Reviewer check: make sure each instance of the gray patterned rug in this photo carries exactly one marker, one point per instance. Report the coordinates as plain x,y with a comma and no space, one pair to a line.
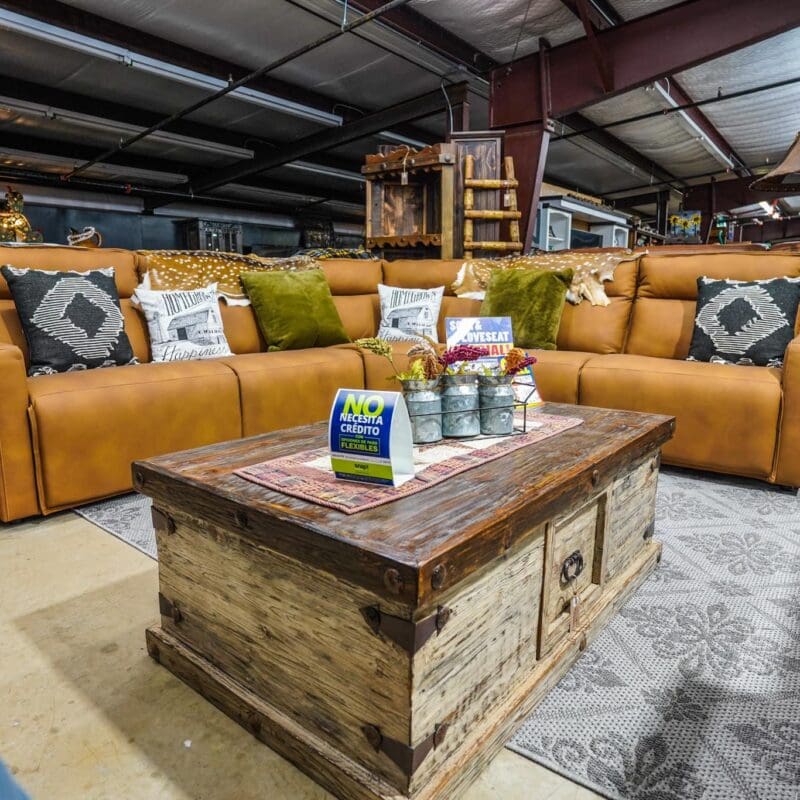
693,691
127,518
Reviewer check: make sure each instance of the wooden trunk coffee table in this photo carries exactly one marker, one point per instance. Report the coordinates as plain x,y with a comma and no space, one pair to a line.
391,653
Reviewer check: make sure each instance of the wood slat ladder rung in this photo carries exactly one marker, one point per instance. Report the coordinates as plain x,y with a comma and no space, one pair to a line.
490,213
471,213
493,245
490,183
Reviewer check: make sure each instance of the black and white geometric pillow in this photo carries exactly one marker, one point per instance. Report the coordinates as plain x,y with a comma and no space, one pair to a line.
71,320
748,323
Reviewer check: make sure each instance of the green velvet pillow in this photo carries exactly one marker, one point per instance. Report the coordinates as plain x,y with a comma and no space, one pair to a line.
533,298
294,310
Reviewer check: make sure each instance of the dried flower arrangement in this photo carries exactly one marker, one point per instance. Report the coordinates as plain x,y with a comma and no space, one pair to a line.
455,359
516,361
423,363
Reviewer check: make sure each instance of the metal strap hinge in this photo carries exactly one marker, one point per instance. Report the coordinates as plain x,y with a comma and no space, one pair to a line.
407,758
162,521
403,632
169,609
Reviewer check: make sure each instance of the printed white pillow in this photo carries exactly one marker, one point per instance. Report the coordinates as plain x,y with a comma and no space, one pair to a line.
183,325
409,313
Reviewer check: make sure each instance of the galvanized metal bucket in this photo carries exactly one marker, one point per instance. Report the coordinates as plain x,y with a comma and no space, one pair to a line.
424,404
460,404
497,405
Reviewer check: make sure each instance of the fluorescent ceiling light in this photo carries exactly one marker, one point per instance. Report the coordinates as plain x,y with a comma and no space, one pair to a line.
691,126
396,42
123,128
400,139
12,157
331,172
43,31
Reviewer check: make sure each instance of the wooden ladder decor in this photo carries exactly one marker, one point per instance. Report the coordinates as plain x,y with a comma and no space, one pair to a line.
509,184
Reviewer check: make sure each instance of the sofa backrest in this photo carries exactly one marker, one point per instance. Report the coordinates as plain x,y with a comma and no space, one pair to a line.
430,274
666,300
81,259
593,329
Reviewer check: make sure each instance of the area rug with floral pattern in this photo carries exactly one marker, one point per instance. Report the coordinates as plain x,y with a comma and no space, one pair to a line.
692,692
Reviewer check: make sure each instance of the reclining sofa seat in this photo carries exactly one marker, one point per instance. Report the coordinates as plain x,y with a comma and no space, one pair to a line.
70,438
729,418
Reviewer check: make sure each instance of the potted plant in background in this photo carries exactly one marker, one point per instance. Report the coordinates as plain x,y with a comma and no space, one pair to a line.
496,393
420,384
460,402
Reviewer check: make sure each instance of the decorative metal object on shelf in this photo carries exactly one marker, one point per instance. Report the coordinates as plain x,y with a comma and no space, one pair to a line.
14,225
203,234
316,232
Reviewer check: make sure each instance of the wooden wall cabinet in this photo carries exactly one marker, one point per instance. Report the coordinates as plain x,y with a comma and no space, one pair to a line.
410,199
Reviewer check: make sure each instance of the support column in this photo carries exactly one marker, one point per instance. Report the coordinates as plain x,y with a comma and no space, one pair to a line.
527,145
460,118
662,211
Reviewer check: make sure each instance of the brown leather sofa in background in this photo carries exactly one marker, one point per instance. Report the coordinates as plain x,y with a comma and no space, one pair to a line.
70,439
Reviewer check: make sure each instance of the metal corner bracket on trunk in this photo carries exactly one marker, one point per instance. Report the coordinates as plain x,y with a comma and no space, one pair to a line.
411,636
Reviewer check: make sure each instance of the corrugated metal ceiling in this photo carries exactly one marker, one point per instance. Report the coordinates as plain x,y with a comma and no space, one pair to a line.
760,127
355,71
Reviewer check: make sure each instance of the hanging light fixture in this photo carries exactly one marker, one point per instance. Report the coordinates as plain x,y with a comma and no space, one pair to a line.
785,178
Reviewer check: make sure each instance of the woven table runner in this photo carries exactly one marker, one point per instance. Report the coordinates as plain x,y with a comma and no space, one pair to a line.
308,474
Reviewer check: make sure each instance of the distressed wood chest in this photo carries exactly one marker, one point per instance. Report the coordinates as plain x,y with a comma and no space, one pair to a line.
391,653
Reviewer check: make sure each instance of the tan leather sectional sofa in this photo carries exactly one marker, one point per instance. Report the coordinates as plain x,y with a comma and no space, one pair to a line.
70,439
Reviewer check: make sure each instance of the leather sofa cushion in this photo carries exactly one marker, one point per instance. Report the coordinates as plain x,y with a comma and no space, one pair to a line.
422,273
292,387
352,275
136,328
80,259
675,277
241,329
378,372
727,416
89,426
456,307
557,374
360,314
665,307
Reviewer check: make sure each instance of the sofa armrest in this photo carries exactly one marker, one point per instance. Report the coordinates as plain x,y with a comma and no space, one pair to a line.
787,464
18,497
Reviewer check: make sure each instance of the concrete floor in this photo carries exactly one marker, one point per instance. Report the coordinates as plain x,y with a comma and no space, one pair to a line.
86,715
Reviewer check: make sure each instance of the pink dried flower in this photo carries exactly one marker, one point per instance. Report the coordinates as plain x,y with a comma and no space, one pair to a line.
462,352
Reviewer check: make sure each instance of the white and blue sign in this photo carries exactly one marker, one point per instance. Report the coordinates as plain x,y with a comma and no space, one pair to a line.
369,436
495,333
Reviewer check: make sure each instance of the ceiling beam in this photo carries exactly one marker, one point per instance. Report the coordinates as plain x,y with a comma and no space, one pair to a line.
60,149
597,20
703,123
418,27
598,15
614,145
725,195
640,51
407,111
55,101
